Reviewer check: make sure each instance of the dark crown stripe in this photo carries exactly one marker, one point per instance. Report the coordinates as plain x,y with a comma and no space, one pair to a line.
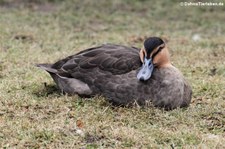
151,43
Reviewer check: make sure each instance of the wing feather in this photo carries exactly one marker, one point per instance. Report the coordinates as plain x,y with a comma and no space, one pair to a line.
114,59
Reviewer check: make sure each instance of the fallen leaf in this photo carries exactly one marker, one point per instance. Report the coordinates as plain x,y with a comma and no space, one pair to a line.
79,124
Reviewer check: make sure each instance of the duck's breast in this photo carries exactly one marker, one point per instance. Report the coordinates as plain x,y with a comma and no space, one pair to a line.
169,89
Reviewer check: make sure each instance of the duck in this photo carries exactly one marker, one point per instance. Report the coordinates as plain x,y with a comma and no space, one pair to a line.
124,75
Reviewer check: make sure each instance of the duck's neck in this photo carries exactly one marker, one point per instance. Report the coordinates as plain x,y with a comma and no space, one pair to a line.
166,65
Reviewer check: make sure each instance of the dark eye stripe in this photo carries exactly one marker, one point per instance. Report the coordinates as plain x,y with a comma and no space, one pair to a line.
160,49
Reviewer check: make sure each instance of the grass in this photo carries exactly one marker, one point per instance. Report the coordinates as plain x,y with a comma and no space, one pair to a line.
33,114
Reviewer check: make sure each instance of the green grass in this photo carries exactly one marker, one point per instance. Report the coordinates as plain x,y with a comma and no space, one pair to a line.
33,114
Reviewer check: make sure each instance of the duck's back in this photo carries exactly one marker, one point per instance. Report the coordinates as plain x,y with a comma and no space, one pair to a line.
96,65
112,59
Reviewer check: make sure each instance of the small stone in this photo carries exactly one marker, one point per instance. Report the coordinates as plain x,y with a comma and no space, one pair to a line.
196,37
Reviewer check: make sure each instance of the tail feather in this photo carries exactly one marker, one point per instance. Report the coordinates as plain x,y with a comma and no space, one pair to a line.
47,67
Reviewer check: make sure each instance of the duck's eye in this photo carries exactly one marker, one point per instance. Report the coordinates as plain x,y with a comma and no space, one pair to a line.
159,50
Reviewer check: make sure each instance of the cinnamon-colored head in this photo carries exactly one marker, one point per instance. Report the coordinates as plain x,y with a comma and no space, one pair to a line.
153,54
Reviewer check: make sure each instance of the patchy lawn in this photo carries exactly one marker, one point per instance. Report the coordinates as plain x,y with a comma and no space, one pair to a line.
34,114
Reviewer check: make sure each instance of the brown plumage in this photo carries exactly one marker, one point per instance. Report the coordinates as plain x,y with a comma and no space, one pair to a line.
111,71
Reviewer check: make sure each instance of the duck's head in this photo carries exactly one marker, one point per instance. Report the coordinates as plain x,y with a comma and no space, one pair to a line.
153,54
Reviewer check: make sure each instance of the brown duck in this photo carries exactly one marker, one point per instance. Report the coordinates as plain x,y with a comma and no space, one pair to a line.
124,75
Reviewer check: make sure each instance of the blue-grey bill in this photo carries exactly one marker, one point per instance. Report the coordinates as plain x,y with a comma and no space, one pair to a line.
146,70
